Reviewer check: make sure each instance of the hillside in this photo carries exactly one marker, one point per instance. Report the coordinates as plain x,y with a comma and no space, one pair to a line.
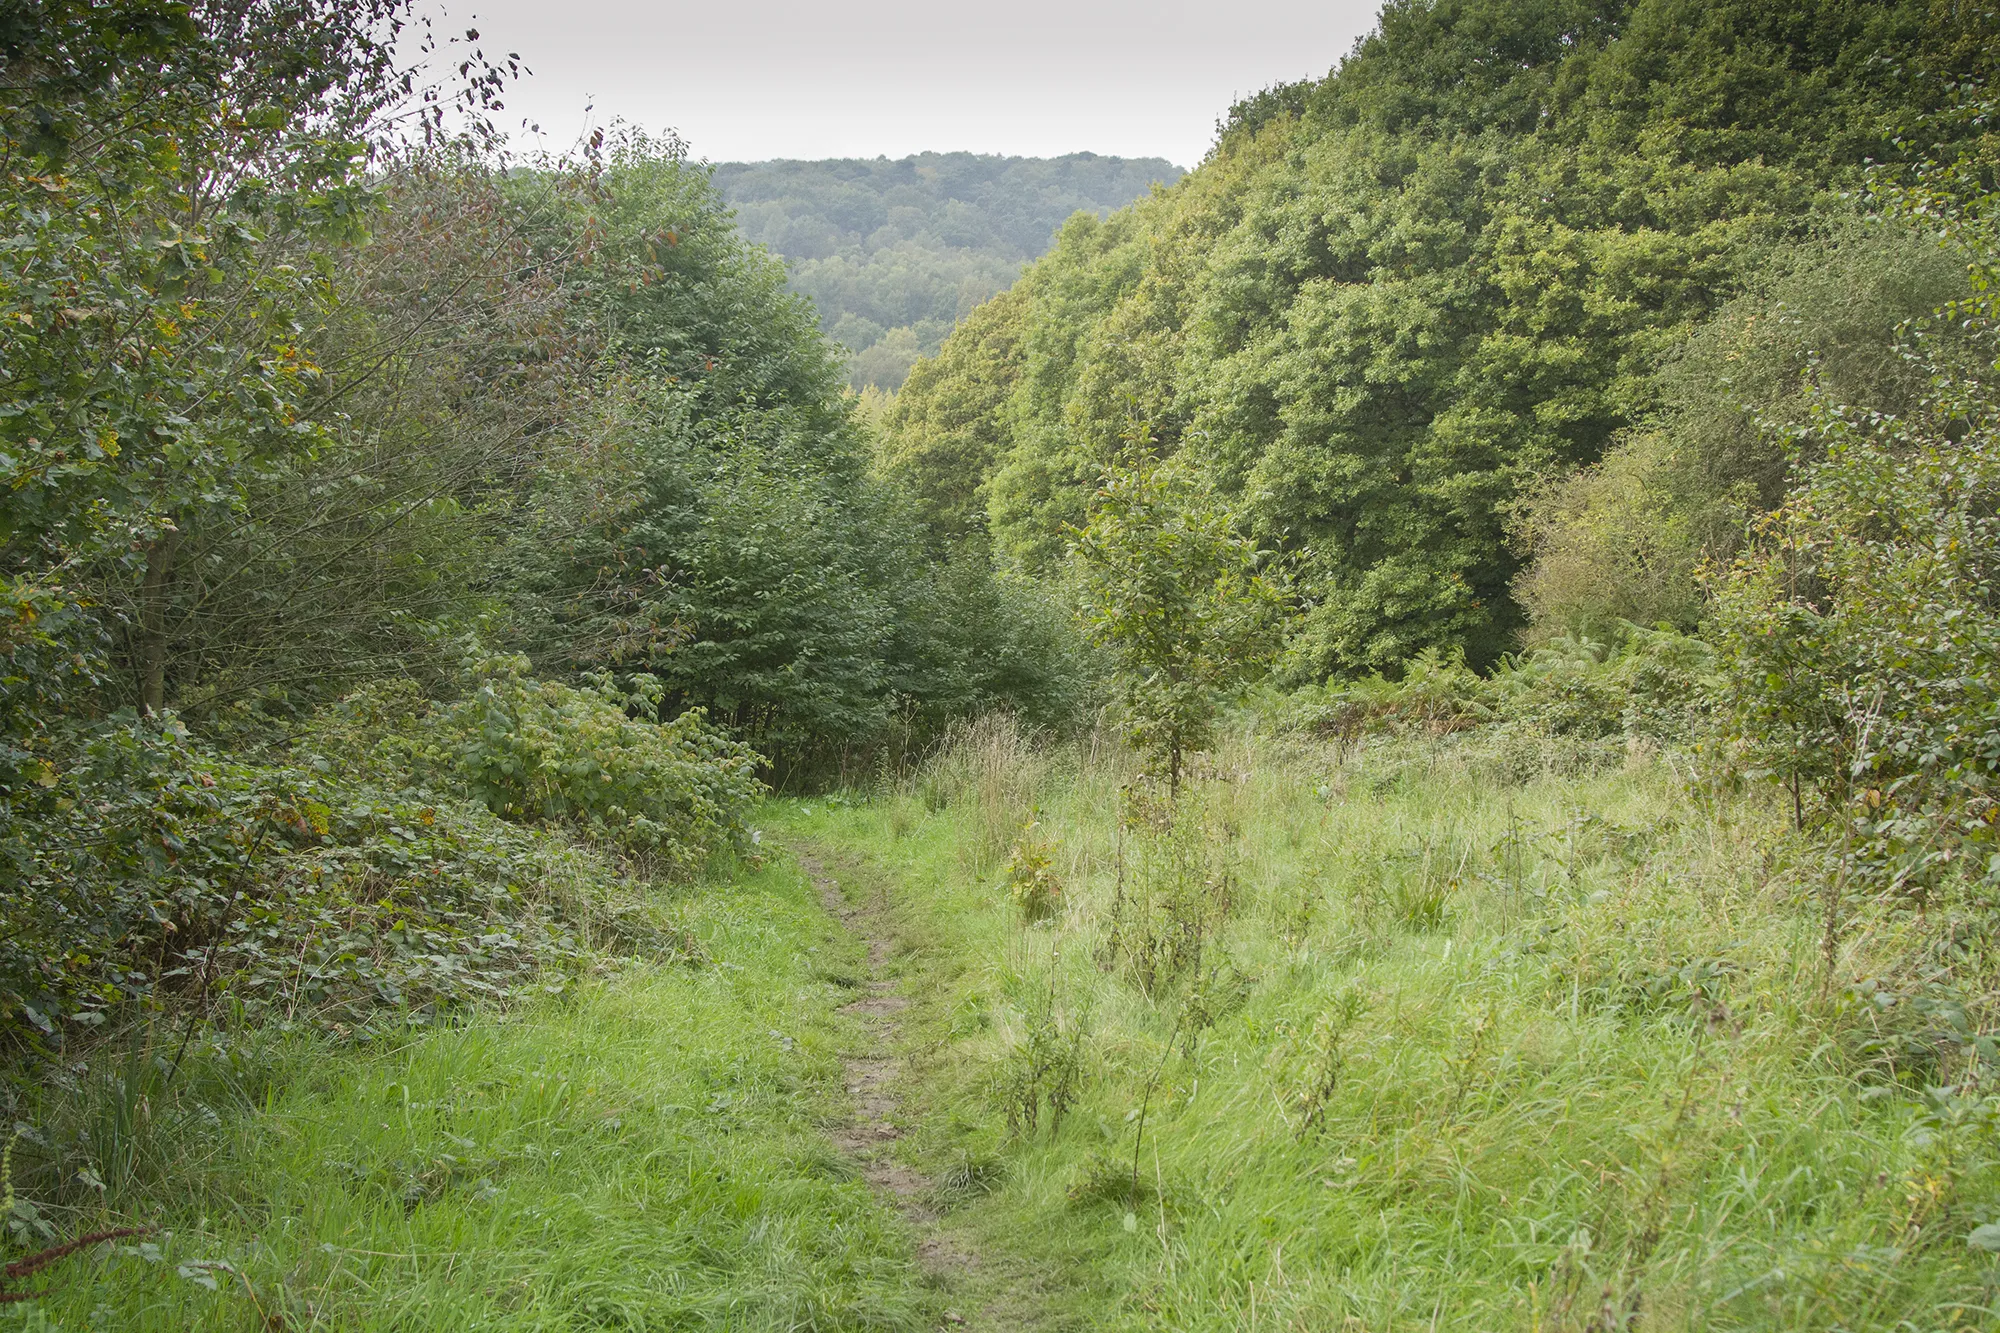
1393,303
894,254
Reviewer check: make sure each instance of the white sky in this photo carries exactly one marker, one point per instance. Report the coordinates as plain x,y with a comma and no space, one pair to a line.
760,79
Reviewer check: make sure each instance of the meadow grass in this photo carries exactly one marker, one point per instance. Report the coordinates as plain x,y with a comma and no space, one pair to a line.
1360,1038
1379,1039
647,1152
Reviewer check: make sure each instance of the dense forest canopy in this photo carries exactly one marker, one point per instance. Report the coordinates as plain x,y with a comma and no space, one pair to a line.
895,253
1392,303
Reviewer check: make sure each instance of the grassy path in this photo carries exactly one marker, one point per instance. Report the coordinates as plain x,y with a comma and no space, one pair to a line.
986,1293
1463,1055
1381,1114
649,1151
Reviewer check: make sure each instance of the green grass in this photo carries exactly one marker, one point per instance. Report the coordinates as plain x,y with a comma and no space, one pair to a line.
644,1153
1414,1045
1461,1053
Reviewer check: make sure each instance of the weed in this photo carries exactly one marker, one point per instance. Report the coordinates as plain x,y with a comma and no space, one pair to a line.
1212,994
1426,1121
1296,924
1102,1179
967,1178
1138,1115
1420,902
1032,882
989,771
1424,880
1470,1060
1319,1061
1181,890
1044,1072
24,1220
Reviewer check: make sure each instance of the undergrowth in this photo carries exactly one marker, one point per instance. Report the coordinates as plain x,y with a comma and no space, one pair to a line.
395,859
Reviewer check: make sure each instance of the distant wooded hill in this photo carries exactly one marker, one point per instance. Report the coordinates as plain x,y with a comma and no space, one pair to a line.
896,253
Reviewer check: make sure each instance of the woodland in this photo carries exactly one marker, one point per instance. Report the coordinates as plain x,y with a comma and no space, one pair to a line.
894,254
1403,732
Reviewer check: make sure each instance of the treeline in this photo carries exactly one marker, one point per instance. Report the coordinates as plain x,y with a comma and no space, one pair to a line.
1600,378
1476,332
404,548
894,254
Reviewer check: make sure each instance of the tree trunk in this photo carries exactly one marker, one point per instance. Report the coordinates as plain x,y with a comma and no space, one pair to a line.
153,595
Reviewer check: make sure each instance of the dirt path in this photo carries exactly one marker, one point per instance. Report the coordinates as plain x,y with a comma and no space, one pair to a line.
869,1138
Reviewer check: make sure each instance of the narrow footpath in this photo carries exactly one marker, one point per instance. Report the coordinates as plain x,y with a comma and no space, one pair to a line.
984,1296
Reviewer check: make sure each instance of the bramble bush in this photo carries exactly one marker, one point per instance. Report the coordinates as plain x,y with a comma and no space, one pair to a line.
1859,635
378,872
1862,646
600,761
157,871
1573,704
596,762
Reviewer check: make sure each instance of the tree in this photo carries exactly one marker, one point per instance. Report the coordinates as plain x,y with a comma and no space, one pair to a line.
1392,303
1859,634
1625,538
449,376
1176,593
738,548
942,437
893,254
179,178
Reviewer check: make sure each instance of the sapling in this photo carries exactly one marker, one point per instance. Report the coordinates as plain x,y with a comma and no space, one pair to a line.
1184,601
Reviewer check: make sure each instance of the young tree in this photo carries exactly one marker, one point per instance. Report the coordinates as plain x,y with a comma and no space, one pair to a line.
1175,592
178,179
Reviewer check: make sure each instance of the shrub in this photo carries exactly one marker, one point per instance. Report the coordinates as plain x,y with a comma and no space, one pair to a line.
1625,539
1861,641
1031,878
1860,634
1572,703
1173,591
990,767
376,870
671,792
157,870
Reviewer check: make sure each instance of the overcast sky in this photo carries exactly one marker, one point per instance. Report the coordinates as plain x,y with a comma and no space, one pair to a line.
746,80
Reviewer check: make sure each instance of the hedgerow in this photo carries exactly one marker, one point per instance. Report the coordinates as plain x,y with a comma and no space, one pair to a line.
600,761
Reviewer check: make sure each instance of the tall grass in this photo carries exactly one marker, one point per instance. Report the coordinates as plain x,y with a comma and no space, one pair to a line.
989,772
1458,1052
